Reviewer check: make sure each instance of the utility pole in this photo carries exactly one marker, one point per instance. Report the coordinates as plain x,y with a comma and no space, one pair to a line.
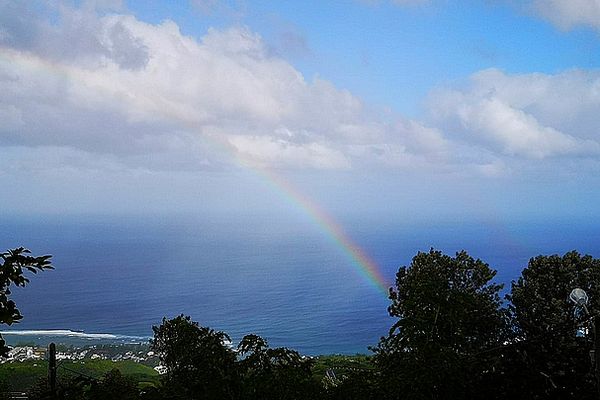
580,298
52,369
596,353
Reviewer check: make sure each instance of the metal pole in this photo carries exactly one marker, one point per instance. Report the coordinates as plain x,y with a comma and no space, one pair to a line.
596,355
52,369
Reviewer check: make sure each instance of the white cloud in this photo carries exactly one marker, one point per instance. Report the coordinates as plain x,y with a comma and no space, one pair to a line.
116,85
271,151
531,115
565,14
146,96
569,13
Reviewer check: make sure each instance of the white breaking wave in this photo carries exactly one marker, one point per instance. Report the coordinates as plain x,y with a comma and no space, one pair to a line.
75,334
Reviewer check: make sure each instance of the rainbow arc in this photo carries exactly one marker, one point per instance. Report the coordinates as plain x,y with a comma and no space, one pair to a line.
359,259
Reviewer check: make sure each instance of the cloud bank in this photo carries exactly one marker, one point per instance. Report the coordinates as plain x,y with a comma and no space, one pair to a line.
530,115
118,86
110,91
567,14
564,14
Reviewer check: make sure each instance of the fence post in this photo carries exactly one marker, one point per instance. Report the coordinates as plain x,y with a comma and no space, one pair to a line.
52,369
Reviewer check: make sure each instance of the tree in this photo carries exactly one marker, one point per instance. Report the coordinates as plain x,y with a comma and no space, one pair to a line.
12,272
556,362
113,385
69,388
198,362
278,373
449,315
357,385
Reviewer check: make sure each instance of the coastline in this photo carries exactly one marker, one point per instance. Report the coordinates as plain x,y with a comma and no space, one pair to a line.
68,337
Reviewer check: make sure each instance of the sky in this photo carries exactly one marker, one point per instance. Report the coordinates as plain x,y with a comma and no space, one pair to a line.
407,109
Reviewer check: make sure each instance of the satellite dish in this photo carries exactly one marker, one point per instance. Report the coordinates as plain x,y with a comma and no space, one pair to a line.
579,297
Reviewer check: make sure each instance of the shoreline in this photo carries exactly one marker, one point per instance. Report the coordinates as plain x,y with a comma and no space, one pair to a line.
68,337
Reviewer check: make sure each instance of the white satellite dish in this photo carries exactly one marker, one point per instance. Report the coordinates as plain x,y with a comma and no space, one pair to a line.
579,297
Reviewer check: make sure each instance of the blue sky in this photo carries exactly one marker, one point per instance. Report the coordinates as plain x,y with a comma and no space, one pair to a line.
389,54
416,108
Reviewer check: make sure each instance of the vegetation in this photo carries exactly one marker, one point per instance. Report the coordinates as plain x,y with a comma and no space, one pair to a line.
197,361
12,272
448,314
23,375
454,337
555,359
112,385
278,373
341,365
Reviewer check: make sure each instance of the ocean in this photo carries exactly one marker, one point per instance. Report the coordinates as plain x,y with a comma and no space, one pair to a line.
287,281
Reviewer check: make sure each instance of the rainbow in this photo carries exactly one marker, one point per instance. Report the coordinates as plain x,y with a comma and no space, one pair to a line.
361,261
359,258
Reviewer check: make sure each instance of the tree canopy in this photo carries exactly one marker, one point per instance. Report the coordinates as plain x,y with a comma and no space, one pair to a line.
199,363
15,263
448,313
274,373
555,358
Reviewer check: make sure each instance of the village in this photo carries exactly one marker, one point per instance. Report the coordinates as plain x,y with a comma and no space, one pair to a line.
138,353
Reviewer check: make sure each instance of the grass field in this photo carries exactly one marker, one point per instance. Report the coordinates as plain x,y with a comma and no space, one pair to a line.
341,364
22,375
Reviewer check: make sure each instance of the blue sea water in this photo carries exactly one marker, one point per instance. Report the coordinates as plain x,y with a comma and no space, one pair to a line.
288,282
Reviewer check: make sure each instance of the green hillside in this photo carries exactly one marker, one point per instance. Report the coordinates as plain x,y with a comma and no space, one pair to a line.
22,375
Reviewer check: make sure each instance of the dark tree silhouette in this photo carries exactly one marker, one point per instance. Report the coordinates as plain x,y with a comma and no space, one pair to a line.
113,385
198,361
357,385
12,272
274,373
448,313
555,360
